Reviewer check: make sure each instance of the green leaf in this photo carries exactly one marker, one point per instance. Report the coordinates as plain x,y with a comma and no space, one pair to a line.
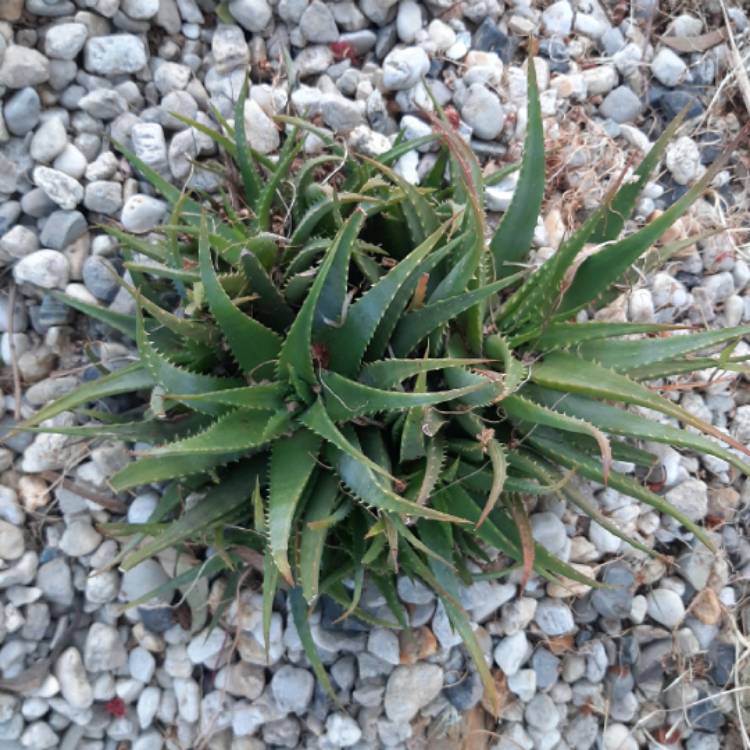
302,625
533,414
421,219
147,431
515,371
296,351
346,399
564,372
622,205
540,293
386,373
307,224
363,483
269,307
349,343
412,444
564,335
382,338
220,502
293,461
397,151
265,396
292,146
624,356
316,419
499,475
416,325
438,538
175,379
130,378
550,476
387,588
239,430
619,422
224,142
599,271
566,455
512,240
251,179
312,545
200,332
151,249
164,272
150,470
119,321
434,460
252,344
680,366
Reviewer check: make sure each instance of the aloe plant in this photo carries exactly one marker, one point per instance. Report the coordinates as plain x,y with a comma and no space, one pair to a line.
362,380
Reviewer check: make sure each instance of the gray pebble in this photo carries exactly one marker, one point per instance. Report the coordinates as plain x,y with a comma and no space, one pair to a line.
621,105
115,54
22,66
21,112
553,617
62,228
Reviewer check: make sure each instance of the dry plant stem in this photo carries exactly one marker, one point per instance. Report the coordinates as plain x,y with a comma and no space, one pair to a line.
106,502
743,81
13,359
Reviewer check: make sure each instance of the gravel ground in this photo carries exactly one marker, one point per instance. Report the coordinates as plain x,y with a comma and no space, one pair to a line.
651,662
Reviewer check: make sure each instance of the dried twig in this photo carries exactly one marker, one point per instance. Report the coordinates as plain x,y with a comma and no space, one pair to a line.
110,503
13,358
743,81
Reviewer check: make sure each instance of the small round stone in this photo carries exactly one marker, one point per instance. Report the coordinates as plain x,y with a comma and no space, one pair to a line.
541,713
79,538
49,140
59,187
71,675
342,730
48,269
618,737
21,113
410,688
11,541
404,67
666,607
22,66
292,688
141,10
253,15
65,41
482,110
142,213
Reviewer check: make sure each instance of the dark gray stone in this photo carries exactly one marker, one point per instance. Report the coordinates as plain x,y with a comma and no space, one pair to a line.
17,442
704,715
466,693
52,312
62,228
100,278
547,668
619,682
157,619
331,612
672,102
489,38
614,603
722,657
